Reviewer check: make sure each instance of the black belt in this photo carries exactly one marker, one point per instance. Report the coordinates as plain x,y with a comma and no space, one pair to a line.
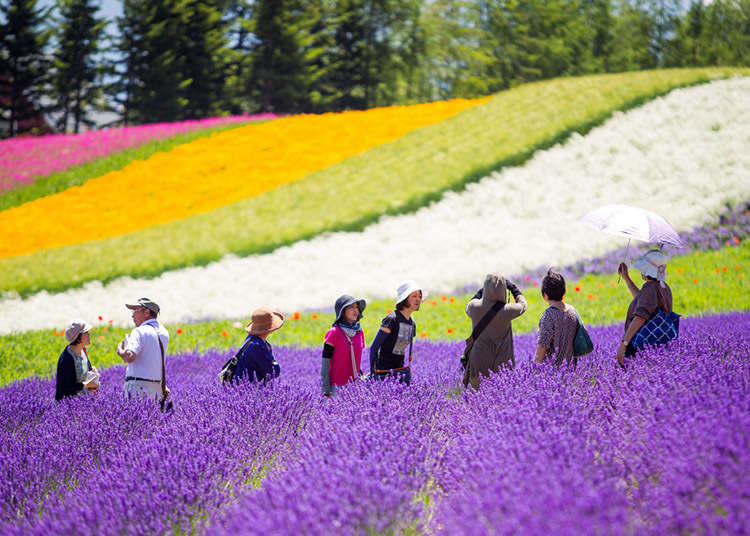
136,379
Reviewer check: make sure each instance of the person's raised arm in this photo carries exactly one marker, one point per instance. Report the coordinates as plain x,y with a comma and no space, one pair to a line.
623,271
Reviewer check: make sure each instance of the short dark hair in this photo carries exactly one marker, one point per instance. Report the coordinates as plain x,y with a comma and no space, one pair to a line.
78,339
401,305
553,285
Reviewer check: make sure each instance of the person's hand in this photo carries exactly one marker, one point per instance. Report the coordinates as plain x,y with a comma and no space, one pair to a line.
623,270
621,355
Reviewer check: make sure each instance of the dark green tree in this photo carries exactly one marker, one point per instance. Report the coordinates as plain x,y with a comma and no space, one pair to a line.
279,79
240,24
77,73
203,57
22,61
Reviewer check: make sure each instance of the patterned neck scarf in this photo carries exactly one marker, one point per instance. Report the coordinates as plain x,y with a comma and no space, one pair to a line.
350,329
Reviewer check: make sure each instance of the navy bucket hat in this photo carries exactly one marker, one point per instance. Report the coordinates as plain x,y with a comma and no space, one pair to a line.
345,301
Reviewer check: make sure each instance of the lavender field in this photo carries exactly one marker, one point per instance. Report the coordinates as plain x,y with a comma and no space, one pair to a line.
661,448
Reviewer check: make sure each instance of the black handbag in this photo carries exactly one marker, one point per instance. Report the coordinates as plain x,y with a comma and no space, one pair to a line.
227,371
486,319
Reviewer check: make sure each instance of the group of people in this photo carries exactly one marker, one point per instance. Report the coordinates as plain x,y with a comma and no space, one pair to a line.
490,310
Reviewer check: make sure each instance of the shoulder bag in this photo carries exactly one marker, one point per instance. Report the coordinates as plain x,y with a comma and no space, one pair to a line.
582,344
164,404
227,371
661,328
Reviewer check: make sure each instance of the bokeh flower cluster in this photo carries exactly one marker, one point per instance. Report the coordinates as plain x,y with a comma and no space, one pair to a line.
659,449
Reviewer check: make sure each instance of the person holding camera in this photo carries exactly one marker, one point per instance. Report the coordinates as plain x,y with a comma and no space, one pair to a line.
493,348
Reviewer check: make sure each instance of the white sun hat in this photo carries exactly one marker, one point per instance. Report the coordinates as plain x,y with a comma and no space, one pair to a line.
406,288
653,263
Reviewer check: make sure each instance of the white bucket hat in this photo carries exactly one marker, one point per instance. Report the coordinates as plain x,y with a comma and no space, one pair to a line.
406,288
653,263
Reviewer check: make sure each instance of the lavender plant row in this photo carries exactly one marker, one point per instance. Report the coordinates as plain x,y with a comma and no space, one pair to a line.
661,448
658,449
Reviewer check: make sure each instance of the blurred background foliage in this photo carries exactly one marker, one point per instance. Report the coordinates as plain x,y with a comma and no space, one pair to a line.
168,60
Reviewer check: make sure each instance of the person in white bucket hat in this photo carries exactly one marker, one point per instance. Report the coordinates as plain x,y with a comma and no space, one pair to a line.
391,351
654,294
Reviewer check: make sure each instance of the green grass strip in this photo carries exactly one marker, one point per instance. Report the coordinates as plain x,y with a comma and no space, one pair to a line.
79,174
699,281
398,177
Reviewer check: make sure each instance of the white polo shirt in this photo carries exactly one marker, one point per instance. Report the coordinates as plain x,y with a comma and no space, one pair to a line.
143,343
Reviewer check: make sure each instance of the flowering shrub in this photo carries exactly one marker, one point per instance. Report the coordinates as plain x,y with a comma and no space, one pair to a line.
208,173
658,449
24,159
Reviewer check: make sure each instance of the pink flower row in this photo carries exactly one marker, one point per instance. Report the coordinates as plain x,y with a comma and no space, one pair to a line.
23,160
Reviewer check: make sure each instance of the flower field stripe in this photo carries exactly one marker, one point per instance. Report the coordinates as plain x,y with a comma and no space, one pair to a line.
522,218
80,173
393,178
23,160
208,173
703,282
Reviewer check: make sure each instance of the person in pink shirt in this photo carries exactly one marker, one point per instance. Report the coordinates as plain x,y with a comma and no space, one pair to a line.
342,349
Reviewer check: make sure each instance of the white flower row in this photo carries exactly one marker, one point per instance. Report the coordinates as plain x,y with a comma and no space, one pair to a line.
684,156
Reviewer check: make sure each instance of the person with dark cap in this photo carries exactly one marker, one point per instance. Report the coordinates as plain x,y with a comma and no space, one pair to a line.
344,342
255,360
74,370
145,350
391,351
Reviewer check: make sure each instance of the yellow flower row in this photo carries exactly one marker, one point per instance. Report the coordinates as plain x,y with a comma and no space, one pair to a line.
208,173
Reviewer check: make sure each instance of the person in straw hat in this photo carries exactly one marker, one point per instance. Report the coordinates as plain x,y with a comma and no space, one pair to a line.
391,351
74,370
256,361
344,342
654,294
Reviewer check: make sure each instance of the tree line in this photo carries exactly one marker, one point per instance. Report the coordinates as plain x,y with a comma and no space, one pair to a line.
167,60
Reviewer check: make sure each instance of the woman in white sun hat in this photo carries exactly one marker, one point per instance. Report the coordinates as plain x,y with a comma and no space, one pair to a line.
653,295
391,351
74,370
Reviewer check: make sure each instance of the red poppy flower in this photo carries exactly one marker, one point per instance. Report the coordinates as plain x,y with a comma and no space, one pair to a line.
224,333
423,334
314,317
295,316
179,332
100,318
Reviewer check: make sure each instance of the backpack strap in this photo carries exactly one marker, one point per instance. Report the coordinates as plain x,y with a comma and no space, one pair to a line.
163,372
351,354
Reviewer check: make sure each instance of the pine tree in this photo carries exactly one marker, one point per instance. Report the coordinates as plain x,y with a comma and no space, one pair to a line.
22,60
279,80
76,74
